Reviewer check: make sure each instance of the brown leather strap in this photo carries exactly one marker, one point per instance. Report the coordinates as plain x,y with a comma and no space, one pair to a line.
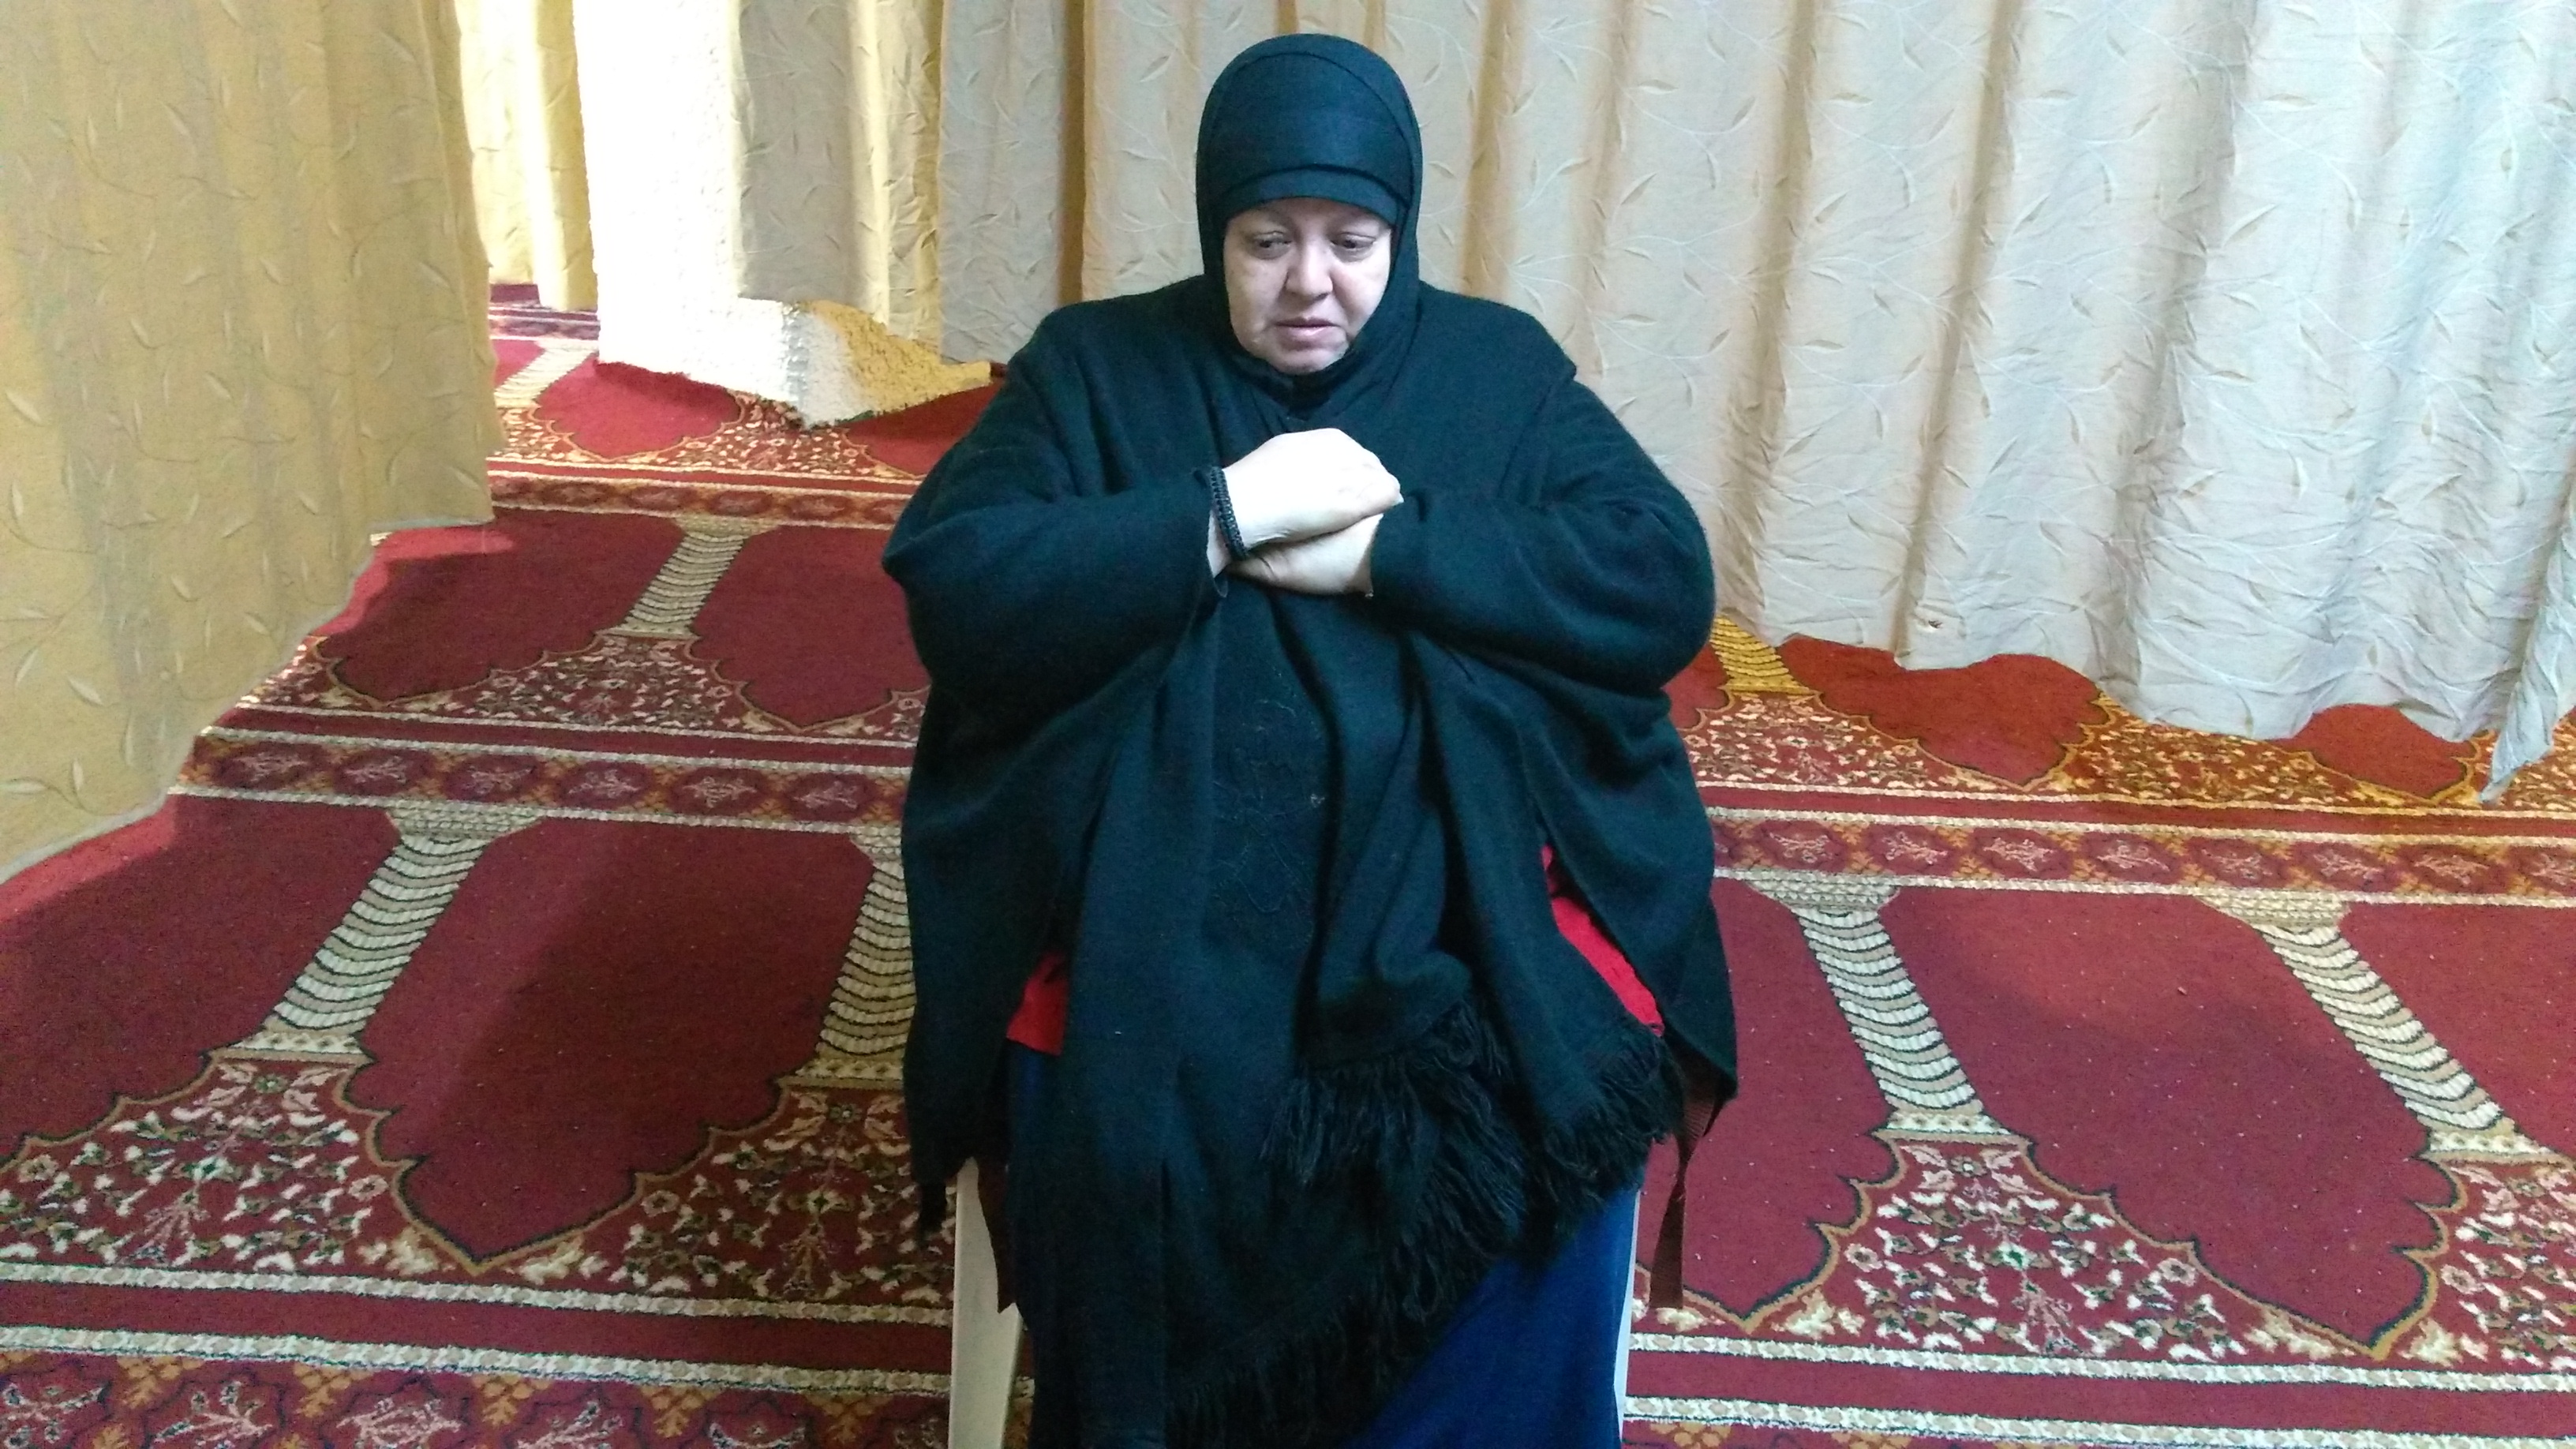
1664,1274
992,1193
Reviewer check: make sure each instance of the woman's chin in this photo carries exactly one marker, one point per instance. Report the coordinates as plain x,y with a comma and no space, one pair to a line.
1297,357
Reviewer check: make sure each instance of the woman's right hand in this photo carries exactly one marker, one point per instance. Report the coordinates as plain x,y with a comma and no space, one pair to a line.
1304,485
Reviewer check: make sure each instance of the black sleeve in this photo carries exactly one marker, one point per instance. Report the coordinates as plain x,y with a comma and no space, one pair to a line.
1605,578
1028,587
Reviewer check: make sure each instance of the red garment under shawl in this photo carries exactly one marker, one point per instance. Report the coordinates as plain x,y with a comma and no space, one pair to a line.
1039,1023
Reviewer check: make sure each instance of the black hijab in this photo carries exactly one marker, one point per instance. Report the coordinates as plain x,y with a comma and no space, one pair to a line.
1315,115
1327,1058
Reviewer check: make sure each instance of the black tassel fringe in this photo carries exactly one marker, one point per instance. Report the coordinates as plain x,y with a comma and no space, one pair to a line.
1427,1137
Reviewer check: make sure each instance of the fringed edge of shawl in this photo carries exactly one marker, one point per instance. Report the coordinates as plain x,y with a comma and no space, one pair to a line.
1430,1124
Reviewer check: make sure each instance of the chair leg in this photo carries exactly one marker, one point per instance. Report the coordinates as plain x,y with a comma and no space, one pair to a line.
1628,1316
983,1341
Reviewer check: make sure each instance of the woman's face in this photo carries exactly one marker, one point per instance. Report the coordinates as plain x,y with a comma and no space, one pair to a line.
1302,275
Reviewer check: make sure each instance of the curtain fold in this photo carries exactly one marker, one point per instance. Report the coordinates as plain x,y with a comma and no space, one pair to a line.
241,328
839,156
523,116
737,156
2224,353
1010,216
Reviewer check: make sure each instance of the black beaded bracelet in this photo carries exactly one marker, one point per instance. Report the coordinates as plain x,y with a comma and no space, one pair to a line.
1226,527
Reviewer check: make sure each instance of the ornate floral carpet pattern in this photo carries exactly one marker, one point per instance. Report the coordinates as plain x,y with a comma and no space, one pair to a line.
2113,1084
493,1041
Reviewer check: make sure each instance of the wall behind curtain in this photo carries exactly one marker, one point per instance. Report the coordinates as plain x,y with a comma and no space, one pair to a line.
241,328
523,116
2226,353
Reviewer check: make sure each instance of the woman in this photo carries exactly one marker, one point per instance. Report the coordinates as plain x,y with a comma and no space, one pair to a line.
1295,756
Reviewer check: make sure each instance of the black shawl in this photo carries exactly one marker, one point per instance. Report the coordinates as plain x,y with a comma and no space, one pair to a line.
1328,1057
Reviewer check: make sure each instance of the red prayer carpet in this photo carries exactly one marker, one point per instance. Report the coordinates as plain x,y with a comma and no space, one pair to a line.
492,1044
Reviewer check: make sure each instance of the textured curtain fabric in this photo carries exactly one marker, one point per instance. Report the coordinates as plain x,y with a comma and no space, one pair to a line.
241,328
2225,353
744,214
839,107
523,116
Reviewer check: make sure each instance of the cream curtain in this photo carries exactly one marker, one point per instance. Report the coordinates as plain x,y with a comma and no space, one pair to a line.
241,327
760,174
839,140
523,115
817,119
2226,353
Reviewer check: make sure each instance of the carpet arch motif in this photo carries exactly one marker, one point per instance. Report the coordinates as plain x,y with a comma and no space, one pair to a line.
228,1251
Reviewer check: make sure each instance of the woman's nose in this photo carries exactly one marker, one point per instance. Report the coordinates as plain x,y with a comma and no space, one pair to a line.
1309,273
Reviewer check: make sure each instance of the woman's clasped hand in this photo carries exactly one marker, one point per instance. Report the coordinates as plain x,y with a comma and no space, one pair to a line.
1308,504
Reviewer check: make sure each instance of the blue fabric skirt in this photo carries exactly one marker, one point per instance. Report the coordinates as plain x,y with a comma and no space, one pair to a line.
1535,1358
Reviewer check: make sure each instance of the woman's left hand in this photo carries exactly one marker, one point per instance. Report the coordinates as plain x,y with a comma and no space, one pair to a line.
1332,563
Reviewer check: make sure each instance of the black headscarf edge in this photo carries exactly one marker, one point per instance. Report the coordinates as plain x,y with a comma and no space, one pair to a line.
1219,203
